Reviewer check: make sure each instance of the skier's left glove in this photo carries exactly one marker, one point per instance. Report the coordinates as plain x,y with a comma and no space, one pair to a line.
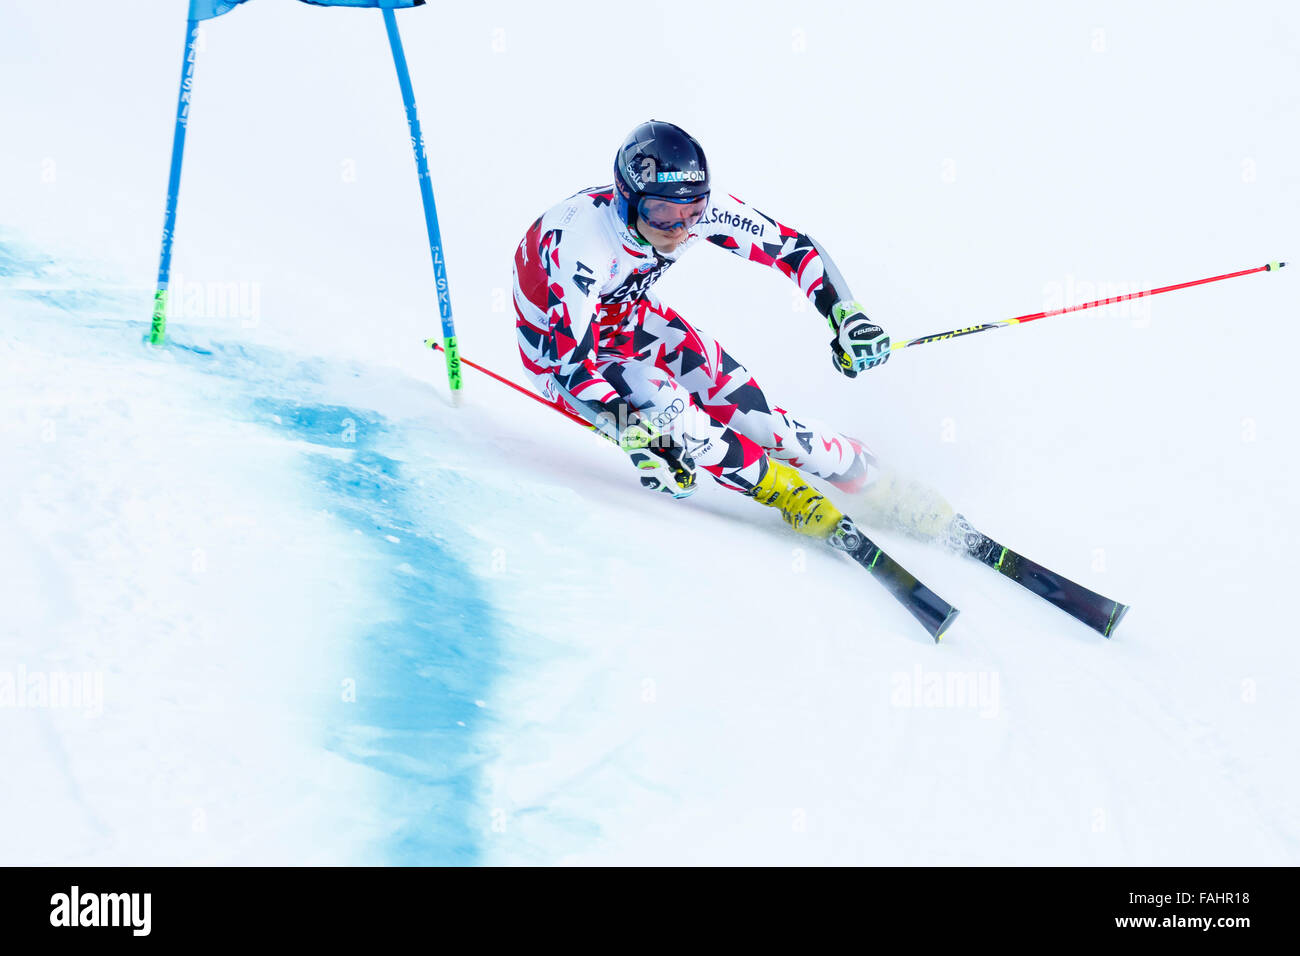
663,463
859,343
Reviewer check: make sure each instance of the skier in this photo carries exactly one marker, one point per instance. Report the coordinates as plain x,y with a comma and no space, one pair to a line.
596,341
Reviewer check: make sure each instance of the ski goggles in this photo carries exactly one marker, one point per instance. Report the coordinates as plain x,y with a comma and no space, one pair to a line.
668,214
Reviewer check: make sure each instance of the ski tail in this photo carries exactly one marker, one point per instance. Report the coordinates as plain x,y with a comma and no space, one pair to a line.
1116,615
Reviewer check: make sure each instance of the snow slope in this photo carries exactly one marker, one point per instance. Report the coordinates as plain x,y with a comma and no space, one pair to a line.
332,619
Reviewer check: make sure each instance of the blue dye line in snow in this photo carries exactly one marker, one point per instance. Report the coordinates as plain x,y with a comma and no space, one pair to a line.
432,651
425,662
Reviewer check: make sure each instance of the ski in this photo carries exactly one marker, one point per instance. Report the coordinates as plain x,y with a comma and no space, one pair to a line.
931,611
1095,610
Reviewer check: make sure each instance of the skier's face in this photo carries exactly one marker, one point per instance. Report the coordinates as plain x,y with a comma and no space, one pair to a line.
665,223
662,240
666,240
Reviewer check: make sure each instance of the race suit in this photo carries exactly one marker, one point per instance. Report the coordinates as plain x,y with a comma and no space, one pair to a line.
593,335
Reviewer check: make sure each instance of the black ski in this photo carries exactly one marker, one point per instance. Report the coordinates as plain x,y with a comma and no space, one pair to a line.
1095,610
933,612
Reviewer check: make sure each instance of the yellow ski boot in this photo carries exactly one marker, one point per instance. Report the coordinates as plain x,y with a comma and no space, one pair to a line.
803,507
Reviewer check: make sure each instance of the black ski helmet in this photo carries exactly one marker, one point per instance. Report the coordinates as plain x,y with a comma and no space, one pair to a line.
658,160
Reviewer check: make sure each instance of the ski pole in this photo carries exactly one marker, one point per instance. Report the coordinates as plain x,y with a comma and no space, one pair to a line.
1022,319
437,347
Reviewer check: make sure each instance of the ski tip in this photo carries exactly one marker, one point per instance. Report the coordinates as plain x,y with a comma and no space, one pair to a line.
1116,615
942,629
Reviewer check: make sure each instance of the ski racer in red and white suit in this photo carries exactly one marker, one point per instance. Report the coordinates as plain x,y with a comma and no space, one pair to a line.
591,332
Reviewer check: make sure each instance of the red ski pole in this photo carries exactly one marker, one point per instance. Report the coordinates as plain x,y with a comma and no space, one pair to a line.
1022,319
437,347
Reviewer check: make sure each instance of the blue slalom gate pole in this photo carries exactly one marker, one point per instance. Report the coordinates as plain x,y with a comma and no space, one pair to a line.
158,328
430,210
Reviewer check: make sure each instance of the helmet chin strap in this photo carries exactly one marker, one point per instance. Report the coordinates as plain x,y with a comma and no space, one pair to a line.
630,224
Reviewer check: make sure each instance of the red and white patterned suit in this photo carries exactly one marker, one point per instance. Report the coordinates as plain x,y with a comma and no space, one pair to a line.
592,333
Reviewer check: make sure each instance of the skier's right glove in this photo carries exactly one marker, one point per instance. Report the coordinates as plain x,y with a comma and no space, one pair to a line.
859,343
663,463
